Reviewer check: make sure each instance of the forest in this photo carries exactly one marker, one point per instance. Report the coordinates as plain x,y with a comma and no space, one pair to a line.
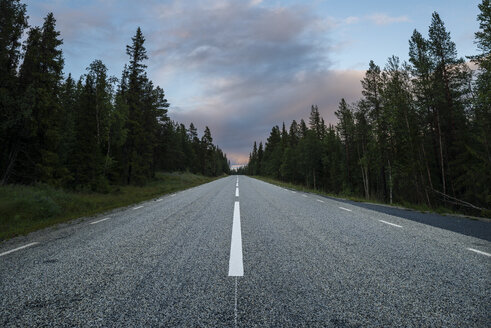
91,132
420,133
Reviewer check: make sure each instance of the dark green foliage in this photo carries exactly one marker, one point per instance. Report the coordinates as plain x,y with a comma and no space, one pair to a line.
420,133
13,22
40,80
93,133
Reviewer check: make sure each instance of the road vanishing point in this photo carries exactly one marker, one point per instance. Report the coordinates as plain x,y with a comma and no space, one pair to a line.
266,256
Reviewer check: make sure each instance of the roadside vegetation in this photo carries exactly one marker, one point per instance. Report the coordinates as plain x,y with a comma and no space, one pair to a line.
28,208
76,146
417,207
420,133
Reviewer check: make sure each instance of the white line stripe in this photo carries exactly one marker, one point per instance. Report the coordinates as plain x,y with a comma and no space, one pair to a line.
237,184
135,208
320,200
305,196
346,209
235,302
99,221
235,265
392,224
172,195
236,192
18,248
293,191
159,200
479,252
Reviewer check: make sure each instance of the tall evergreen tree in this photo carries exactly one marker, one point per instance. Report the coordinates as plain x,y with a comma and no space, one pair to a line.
13,22
40,80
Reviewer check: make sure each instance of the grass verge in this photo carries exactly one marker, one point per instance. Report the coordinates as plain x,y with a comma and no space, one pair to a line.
405,205
28,208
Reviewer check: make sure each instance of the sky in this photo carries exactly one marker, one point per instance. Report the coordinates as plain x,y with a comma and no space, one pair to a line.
241,67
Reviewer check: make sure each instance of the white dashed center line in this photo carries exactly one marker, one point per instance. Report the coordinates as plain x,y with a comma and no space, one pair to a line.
18,248
320,201
392,224
235,266
346,209
135,208
99,221
479,252
237,192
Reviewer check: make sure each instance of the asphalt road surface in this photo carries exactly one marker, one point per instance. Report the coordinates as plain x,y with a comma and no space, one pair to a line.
246,253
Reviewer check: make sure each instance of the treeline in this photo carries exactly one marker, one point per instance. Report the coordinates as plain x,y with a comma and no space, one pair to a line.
420,133
91,132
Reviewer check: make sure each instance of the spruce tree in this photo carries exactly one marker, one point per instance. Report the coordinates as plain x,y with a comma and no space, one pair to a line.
13,22
40,80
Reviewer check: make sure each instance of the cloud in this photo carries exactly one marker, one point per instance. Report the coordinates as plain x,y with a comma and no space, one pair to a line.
250,68
240,112
383,19
239,67
351,20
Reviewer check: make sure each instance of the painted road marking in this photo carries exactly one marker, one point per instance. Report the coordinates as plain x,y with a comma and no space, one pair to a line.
305,196
135,208
293,191
159,200
392,224
236,192
235,302
172,195
235,265
99,221
346,209
320,200
18,248
479,252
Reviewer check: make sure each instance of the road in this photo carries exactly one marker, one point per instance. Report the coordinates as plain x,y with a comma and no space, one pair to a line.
241,252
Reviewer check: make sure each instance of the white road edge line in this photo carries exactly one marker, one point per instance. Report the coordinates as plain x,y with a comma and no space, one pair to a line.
172,195
135,208
479,252
346,209
237,192
19,248
235,265
159,200
392,224
99,220
320,200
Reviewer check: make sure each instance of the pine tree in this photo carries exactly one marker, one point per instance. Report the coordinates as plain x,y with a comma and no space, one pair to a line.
345,128
13,22
373,84
207,149
260,155
449,81
40,80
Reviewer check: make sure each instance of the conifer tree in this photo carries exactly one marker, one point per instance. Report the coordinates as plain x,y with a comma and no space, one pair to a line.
40,80
13,22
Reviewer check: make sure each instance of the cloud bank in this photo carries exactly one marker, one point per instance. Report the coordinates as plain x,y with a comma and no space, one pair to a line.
254,67
239,67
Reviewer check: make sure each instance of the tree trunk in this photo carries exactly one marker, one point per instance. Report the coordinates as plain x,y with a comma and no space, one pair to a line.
10,166
390,183
441,151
